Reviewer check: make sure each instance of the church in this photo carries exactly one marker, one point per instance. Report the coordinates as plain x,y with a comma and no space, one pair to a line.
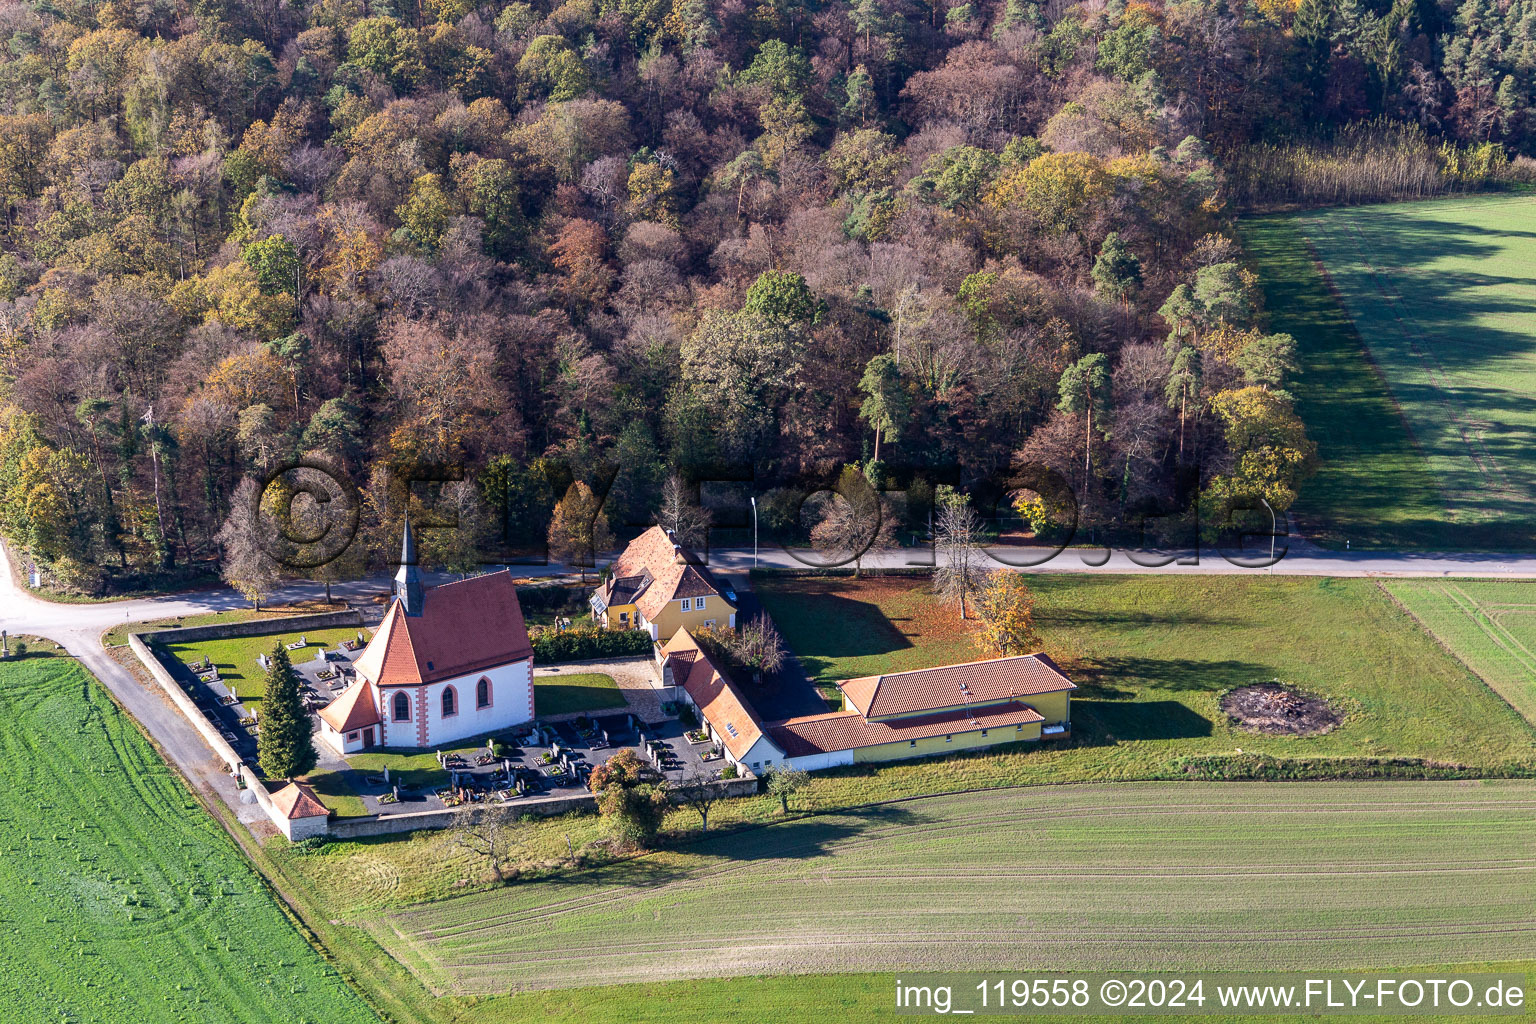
447,663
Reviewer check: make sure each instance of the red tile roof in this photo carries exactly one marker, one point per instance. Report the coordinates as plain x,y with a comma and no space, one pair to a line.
296,800
932,689
728,712
355,708
849,730
465,626
673,570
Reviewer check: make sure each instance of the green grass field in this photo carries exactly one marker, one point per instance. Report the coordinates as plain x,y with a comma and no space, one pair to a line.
579,691
1489,624
1433,446
121,900
1153,654
1156,876
236,656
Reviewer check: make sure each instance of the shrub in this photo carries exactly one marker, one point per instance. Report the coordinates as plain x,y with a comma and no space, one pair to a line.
583,642
729,771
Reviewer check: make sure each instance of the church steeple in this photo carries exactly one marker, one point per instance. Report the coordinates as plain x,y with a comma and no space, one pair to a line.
408,580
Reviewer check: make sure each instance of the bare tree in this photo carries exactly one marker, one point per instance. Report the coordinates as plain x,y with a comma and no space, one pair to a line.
491,832
759,646
248,565
853,521
697,790
688,522
961,571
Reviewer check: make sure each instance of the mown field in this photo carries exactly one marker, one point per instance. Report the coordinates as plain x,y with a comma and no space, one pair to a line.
1489,624
120,899
1164,876
236,656
1153,654
1434,446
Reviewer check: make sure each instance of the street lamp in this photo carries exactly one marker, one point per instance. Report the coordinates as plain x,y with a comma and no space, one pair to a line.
754,531
1274,528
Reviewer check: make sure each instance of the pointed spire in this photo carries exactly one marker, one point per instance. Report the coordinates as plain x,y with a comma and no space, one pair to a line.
408,586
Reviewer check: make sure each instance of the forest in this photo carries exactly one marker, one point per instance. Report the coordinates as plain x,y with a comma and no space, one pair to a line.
597,244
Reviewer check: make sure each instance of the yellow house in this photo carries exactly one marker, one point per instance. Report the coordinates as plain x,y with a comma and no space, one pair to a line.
888,717
660,586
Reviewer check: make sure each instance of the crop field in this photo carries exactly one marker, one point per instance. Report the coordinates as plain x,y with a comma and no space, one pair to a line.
120,899
236,656
1489,624
1439,449
1171,876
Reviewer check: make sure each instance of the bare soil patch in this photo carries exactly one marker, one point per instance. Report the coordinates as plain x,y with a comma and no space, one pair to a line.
1277,709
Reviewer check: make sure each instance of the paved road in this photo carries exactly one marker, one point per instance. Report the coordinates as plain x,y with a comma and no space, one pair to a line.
79,626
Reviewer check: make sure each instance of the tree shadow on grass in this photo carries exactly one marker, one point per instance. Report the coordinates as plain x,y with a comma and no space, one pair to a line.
807,837
1109,676
826,627
1051,617
1102,723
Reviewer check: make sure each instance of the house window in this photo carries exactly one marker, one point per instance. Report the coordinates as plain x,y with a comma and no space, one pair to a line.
698,604
450,703
911,743
483,694
983,732
686,604
351,737
948,739
402,708
709,623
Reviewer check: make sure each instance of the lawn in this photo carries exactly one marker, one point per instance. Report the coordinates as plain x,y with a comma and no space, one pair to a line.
579,691
118,635
1321,876
122,900
1425,431
1153,654
1490,625
236,656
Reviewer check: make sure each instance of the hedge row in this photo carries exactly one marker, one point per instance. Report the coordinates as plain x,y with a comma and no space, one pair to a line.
581,643
553,598
1261,768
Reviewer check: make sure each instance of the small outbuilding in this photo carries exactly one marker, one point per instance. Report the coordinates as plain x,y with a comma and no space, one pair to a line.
300,814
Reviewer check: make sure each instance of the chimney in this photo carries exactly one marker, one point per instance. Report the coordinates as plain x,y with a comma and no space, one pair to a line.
677,554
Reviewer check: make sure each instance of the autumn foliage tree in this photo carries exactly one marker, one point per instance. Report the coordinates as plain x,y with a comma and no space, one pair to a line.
630,796
1006,616
578,530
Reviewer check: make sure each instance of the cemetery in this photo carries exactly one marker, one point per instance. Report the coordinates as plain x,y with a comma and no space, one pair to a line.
227,697
541,759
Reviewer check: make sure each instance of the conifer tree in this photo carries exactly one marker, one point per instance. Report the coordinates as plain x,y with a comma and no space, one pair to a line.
285,747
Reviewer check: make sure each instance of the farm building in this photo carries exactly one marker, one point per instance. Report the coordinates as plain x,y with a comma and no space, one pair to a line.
446,663
661,586
888,717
